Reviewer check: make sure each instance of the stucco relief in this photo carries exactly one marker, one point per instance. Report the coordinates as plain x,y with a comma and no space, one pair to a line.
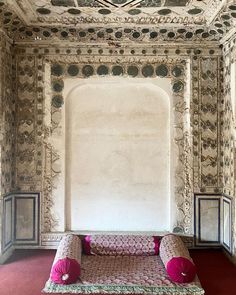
176,70
50,103
228,142
7,111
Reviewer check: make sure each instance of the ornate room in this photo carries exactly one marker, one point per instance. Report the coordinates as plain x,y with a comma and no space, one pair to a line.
117,129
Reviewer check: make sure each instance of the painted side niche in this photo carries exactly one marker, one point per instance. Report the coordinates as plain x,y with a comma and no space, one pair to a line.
118,154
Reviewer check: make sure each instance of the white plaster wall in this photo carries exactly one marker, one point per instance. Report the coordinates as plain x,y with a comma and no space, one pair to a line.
117,139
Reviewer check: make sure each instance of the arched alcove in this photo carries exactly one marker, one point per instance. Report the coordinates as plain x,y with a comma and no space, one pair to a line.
118,155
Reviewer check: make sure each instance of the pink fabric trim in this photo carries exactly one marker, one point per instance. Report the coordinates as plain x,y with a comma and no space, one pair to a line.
157,245
86,245
181,270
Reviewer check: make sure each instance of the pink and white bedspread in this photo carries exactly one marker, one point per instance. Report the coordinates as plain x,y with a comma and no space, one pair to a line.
124,275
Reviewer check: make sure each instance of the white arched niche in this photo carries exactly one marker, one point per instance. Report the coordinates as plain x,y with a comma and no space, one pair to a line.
118,154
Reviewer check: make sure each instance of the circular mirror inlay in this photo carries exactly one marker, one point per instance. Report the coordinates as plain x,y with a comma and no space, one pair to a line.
162,71
87,70
57,70
134,11
119,1
205,35
82,34
163,31
226,16
104,11
57,101
189,35
74,11
136,35
178,86
164,11
117,71
232,7
102,70
199,31
177,71
194,11
118,34
132,71
43,11
73,70
46,34
147,71
153,35
58,85
109,30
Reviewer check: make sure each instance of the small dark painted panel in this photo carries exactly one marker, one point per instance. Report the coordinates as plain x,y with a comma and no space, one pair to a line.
58,85
194,11
134,11
174,3
44,11
132,71
117,71
164,11
65,3
148,71
162,70
178,86
119,1
87,71
73,70
57,70
104,11
74,11
177,71
57,101
102,70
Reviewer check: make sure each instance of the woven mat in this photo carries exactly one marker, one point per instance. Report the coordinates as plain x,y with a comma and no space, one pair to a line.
124,275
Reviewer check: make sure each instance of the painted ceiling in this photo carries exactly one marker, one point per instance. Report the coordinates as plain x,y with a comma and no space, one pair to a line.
137,20
70,12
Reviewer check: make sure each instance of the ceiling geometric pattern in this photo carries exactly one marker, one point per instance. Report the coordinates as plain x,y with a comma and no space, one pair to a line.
66,12
118,20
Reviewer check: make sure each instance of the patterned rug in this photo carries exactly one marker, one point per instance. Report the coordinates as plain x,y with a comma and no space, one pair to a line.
124,275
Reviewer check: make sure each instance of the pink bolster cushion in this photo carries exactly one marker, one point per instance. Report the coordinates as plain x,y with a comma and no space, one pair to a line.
175,256
66,266
65,271
121,245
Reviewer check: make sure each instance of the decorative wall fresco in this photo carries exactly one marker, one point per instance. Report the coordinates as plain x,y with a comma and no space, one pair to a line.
227,123
7,121
65,63
44,55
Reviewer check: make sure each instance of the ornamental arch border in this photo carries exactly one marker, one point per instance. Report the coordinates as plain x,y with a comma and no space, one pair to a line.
178,70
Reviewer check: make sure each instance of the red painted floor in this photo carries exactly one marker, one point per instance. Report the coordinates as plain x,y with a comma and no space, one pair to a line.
27,271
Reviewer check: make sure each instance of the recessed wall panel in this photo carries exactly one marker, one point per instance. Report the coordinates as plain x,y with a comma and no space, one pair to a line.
207,220
118,157
26,219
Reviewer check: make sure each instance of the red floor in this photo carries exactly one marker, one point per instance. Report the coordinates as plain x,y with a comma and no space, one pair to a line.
27,271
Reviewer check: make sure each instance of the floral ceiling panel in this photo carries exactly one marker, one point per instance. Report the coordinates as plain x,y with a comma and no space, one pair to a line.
72,12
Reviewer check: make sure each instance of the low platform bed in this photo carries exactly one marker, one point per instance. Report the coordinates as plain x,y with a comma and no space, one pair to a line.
123,265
